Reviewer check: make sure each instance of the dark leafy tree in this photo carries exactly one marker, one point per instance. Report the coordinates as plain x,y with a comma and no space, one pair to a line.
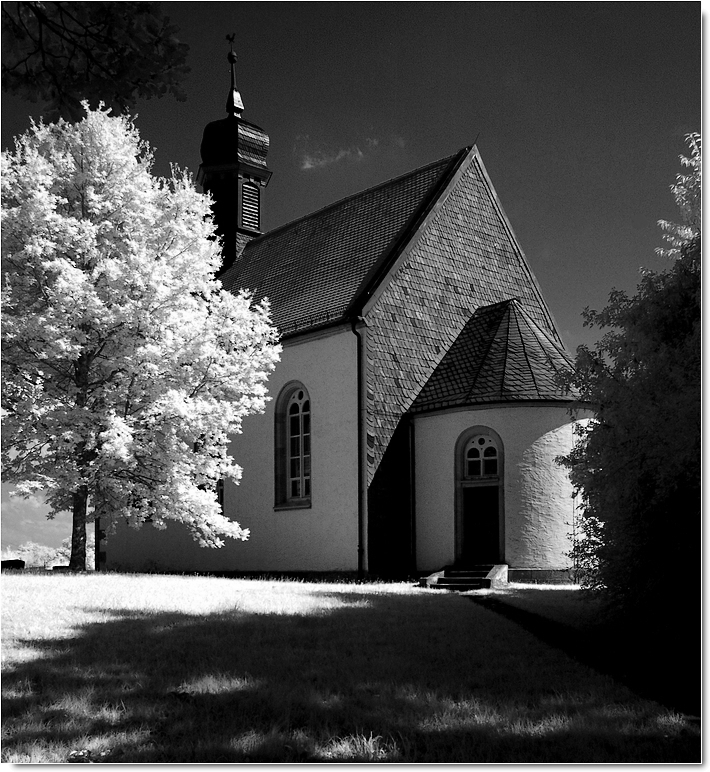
637,464
115,52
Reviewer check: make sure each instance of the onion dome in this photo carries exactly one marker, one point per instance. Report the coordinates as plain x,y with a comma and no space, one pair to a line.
234,140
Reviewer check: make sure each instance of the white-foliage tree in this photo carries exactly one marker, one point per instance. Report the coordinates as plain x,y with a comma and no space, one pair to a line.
41,556
126,366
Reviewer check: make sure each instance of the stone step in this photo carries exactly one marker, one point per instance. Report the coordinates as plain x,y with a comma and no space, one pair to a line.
482,585
462,579
465,579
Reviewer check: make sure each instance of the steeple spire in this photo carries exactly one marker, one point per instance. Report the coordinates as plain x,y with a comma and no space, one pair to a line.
234,171
234,99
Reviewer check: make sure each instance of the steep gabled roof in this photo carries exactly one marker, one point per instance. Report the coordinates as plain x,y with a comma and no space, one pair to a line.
313,269
501,355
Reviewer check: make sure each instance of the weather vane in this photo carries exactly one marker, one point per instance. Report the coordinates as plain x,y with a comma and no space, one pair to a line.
234,100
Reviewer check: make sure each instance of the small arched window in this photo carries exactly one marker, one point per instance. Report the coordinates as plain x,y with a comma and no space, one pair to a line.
293,447
481,457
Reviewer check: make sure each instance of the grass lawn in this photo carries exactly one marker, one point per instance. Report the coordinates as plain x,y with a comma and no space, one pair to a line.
139,668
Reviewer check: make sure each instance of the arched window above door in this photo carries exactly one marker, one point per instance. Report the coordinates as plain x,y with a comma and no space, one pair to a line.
481,458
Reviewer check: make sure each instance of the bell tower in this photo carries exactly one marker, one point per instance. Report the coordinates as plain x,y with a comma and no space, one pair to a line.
234,171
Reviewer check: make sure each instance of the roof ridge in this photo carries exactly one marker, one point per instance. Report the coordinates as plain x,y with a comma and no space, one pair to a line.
484,356
391,252
556,344
517,247
525,350
343,200
507,348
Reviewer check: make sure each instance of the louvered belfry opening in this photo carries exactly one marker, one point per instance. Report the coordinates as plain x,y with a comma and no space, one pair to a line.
251,215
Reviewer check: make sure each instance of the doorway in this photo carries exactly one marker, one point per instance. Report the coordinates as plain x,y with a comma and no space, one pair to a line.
480,525
479,498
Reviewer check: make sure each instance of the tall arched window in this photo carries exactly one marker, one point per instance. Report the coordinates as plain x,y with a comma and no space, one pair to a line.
299,445
293,447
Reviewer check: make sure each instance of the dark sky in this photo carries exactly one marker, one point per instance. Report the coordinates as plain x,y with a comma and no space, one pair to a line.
580,110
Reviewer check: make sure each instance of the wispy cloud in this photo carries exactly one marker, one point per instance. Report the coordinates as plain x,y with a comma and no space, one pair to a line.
310,156
320,158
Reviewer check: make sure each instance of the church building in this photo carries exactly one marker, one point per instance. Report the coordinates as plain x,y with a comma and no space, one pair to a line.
416,413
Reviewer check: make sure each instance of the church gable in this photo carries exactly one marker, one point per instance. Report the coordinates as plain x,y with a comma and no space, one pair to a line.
314,269
463,257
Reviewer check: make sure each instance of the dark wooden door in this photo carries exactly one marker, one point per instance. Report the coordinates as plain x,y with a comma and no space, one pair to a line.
480,536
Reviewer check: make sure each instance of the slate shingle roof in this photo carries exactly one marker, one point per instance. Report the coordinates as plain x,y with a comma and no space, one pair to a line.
417,257
465,257
313,269
501,355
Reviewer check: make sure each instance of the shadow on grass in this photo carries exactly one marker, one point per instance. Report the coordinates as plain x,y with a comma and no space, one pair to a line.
369,678
660,662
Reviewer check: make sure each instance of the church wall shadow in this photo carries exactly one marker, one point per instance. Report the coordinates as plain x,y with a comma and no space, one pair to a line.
660,661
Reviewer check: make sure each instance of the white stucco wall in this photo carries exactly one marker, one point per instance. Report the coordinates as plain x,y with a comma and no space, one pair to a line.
322,538
536,491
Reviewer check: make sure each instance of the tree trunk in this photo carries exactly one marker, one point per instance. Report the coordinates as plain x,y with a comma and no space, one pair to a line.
77,561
